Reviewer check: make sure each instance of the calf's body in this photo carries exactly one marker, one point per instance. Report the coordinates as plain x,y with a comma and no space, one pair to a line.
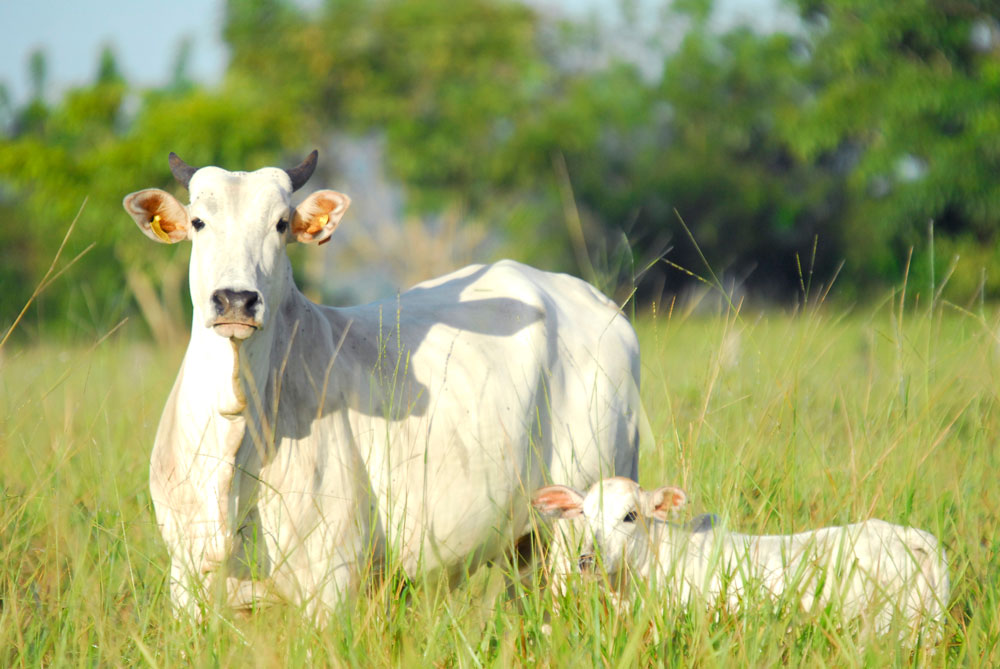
875,571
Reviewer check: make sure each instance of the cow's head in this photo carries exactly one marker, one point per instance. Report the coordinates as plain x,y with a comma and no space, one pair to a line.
239,224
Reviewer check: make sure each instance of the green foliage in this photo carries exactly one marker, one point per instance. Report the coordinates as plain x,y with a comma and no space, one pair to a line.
785,155
452,87
707,151
907,89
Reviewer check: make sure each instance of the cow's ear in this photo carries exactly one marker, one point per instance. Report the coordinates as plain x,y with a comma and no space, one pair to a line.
158,214
663,502
318,215
559,501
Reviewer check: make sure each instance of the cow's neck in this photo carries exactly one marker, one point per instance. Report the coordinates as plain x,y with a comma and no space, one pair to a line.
234,378
223,371
222,398
225,385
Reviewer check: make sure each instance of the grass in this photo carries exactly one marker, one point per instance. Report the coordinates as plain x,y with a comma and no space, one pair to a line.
779,422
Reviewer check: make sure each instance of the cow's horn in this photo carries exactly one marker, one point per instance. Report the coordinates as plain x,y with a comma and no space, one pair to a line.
300,174
181,170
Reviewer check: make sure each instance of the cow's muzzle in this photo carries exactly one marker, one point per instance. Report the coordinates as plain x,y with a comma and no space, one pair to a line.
237,312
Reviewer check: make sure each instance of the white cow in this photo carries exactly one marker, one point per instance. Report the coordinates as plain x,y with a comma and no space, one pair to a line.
303,445
873,570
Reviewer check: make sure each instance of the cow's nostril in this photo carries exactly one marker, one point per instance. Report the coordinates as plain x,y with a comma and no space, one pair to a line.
237,304
220,301
251,301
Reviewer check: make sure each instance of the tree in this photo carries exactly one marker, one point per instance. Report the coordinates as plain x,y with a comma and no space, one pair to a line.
910,92
843,139
86,148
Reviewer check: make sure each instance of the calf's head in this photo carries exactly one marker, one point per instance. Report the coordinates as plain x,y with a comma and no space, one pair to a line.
614,512
238,224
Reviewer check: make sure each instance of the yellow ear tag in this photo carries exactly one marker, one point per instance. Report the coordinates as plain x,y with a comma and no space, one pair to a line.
318,224
157,230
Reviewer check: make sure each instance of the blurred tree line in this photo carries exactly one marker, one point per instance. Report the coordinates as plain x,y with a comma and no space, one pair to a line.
775,159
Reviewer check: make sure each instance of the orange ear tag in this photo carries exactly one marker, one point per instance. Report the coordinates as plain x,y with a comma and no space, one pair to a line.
154,223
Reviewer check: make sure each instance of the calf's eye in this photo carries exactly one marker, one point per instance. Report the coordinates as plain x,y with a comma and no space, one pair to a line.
197,223
282,226
630,517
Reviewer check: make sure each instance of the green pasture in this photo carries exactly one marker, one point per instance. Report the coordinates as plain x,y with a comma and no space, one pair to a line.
778,421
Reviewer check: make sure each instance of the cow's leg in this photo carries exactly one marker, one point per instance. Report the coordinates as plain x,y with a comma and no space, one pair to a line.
342,583
188,588
316,568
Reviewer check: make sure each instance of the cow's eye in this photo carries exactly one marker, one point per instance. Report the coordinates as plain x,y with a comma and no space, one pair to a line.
282,226
197,223
630,517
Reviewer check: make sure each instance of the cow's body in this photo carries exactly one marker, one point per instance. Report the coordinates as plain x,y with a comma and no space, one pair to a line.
410,430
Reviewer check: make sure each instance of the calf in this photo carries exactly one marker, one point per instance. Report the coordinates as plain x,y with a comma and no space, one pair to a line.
873,570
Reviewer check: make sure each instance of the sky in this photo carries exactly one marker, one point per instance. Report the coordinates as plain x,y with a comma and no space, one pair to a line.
145,35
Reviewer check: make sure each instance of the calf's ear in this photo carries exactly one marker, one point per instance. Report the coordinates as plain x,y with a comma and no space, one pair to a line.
159,215
318,215
558,501
663,502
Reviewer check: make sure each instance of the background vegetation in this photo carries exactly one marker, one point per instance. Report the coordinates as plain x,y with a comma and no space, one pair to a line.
835,142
